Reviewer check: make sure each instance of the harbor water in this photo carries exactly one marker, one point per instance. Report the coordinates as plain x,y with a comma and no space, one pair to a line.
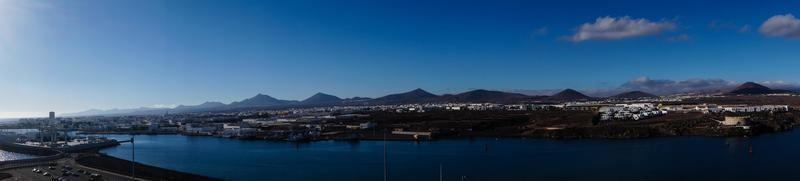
766,157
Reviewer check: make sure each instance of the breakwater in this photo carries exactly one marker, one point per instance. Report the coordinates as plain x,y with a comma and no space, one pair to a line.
30,150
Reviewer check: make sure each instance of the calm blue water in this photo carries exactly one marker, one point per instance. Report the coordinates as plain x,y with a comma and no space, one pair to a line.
775,157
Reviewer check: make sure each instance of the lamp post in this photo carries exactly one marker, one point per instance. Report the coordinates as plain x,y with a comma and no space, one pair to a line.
440,172
133,158
385,165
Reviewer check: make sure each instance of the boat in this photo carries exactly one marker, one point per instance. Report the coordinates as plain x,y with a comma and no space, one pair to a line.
297,138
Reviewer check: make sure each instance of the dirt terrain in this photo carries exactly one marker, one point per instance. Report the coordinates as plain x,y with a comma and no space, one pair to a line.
574,124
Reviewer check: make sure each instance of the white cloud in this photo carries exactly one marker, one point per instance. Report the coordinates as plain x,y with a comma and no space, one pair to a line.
611,28
542,31
681,37
665,86
785,26
781,84
723,25
744,29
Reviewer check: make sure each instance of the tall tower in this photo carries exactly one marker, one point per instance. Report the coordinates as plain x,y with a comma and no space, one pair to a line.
52,115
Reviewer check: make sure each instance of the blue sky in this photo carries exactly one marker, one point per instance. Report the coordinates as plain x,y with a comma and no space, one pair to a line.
74,55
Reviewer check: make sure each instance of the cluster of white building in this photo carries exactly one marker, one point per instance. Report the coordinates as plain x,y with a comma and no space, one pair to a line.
635,111
713,108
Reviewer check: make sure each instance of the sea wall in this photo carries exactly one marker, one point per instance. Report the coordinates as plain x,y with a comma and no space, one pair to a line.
24,149
90,146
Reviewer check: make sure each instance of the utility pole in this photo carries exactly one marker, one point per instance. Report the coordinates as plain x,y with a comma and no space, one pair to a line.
440,172
133,158
385,165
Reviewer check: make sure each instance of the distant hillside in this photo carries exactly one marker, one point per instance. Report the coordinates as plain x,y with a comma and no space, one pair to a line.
633,95
568,95
203,105
356,100
751,88
117,112
321,98
206,106
484,96
414,96
260,100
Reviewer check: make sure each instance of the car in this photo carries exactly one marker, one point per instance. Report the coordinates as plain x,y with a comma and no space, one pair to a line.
51,168
46,174
95,176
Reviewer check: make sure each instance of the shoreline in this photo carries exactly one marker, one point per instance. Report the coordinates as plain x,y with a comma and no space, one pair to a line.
143,171
737,132
101,161
91,158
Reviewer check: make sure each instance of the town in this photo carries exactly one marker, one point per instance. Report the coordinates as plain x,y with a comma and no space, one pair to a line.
365,122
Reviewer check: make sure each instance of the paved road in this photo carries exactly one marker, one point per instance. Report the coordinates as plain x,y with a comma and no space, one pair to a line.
26,173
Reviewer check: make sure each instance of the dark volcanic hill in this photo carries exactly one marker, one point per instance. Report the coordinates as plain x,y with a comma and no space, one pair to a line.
633,95
414,96
208,104
481,95
751,88
568,95
261,100
321,98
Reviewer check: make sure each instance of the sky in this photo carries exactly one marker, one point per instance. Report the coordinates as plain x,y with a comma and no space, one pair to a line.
69,56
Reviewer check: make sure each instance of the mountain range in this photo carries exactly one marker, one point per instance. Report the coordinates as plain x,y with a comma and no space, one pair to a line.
633,95
261,101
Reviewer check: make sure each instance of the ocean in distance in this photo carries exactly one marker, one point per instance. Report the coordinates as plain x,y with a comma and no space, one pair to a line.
773,157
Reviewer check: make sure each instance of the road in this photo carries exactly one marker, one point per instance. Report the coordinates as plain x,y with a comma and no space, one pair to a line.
26,173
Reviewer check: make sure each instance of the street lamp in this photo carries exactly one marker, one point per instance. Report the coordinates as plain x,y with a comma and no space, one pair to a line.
133,158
